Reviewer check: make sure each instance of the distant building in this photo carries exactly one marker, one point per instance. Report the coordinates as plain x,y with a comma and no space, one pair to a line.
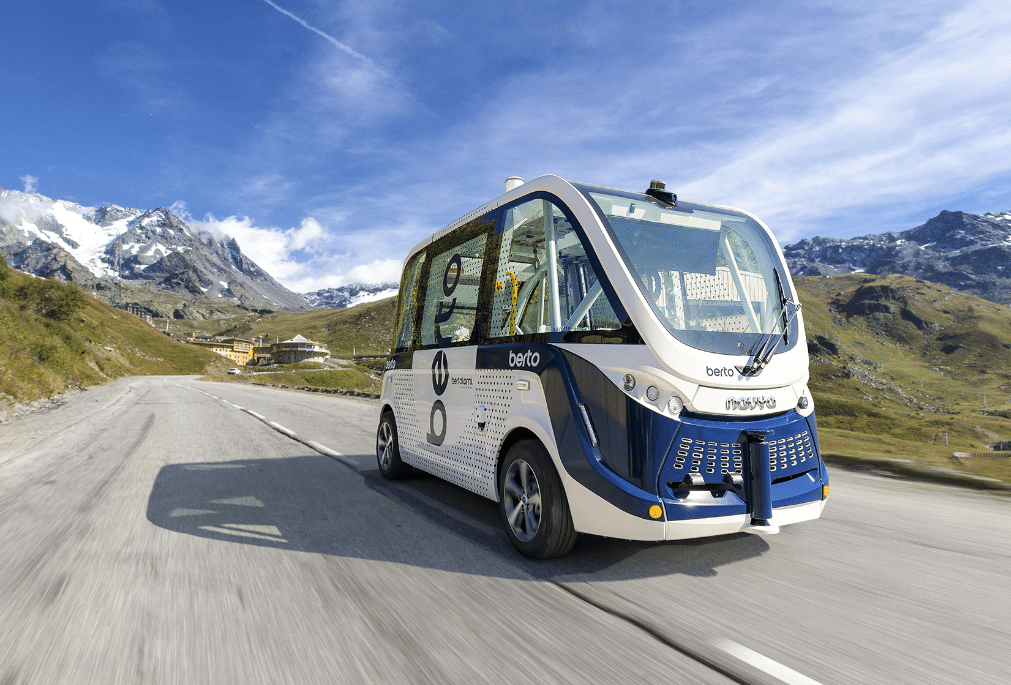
298,349
261,355
137,310
239,350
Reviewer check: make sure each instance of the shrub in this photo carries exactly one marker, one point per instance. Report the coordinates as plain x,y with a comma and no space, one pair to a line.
46,297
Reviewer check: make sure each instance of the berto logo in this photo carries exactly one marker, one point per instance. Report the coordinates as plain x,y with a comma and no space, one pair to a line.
749,403
720,371
528,358
440,380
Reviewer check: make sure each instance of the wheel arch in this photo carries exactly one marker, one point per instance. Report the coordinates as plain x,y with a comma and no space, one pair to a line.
515,435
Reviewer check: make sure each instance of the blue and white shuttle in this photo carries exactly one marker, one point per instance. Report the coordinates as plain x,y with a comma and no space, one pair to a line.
605,361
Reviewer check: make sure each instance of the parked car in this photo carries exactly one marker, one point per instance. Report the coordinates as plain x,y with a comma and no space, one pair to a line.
234,372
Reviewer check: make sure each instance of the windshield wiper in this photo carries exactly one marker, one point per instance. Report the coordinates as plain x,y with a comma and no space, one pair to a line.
763,355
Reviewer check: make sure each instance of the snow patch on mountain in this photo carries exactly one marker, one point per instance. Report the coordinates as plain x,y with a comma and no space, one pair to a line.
64,239
350,295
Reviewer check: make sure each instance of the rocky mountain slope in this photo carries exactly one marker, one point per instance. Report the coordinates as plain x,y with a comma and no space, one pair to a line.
349,295
967,252
93,246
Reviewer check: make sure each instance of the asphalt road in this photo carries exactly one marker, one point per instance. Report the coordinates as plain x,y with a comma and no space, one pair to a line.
166,530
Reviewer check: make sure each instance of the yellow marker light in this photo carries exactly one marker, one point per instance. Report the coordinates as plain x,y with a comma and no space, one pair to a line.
655,511
824,492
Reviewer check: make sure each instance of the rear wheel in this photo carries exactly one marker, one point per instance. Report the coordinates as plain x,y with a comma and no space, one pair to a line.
388,449
533,504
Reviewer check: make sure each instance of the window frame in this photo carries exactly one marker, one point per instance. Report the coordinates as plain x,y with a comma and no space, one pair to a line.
493,222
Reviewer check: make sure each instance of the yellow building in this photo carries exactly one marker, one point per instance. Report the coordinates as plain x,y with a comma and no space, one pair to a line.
238,350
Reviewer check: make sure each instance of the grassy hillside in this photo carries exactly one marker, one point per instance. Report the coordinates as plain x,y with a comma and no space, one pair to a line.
900,366
365,330
55,337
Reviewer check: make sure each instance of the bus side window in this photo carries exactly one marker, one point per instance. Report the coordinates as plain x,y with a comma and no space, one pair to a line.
527,299
451,294
408,301
518,298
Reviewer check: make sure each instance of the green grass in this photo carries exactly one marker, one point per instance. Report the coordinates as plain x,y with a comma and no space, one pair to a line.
354,378
56,338
351,379
912,363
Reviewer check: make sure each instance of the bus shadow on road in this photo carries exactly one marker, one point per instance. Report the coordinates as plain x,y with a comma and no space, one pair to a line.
313,504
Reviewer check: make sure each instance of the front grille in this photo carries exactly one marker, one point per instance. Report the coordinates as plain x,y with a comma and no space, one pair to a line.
702,456
791,451
716,448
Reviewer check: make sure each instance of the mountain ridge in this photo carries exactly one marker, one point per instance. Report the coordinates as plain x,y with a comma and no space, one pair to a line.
968,252
93,246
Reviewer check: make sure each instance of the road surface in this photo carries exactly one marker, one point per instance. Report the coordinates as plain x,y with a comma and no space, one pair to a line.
167,530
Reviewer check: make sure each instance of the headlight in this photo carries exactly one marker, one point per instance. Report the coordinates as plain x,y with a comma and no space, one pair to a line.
675,405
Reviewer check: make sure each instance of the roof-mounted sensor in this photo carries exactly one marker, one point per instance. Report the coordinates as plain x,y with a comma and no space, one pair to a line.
656,189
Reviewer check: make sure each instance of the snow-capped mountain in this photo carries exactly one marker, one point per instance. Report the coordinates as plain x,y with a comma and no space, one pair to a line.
75,243
967,252
349,295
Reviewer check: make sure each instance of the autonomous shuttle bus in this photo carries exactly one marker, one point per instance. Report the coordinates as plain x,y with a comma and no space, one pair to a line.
603,361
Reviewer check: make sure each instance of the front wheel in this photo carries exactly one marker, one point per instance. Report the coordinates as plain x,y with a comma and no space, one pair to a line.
533,504
388,449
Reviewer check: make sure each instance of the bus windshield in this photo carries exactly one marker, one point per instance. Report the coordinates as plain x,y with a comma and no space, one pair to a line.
712,276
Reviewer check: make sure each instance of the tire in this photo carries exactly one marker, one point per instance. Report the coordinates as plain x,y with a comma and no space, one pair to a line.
533,504
388,449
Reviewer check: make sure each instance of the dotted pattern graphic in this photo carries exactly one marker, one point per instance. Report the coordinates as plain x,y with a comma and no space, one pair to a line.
405,409
721,286
470,461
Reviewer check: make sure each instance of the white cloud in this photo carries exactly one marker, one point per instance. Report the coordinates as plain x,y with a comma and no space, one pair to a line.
31,183
302,258
309,232
925,115
379,271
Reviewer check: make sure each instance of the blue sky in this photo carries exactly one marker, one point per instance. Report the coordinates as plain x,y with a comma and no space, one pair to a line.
330,137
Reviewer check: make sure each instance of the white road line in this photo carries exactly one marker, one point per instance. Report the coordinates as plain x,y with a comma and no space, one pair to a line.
278,427
325,450
322,449
764,663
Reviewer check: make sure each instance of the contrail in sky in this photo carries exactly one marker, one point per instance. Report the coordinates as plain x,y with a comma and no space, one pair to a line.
336,43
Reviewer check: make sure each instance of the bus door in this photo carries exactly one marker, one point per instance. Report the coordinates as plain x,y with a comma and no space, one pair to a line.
449,442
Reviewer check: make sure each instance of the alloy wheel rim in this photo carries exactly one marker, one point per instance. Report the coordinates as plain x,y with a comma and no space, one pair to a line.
522,498
385,445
